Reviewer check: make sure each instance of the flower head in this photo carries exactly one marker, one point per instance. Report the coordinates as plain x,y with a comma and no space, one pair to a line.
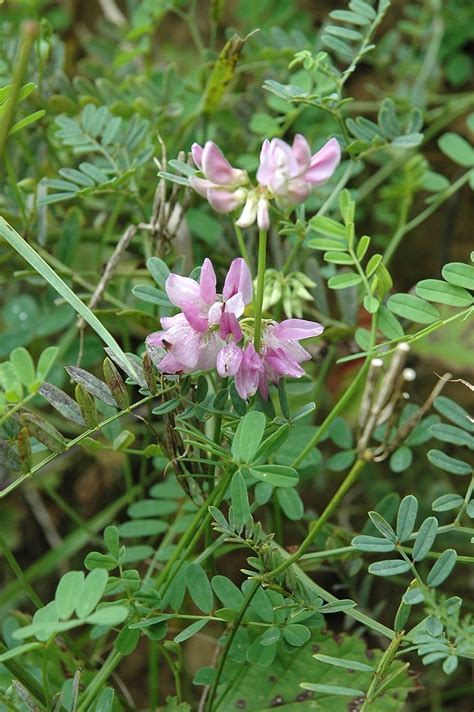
290,172
222,184
191,341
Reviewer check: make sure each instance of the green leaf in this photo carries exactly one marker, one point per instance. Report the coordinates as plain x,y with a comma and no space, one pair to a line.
452,434
459,274
227,592
332,689
148,293
68,593
276,475
383,526
38,264
92,384
290,502
347,664
411,307
18,650
338,258
91,592
127,640
108,615
435,290
105,700
389,324
158,269
63,403
344,280
389,567
248,436
447,502
23,365
401,459
328,243
406,517
199,588
453,412
328,227
457,149
438,458
240,500
296,634
365,542
442,568
142,527
190,630
425,538
46,361
408,140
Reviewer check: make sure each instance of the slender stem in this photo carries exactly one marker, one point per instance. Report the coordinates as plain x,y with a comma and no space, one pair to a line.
230,639
315,529
100,678
262,256
16,568
382,667
241,243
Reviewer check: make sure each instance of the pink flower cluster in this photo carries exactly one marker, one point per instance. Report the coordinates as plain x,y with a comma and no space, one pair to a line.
286,173
208,333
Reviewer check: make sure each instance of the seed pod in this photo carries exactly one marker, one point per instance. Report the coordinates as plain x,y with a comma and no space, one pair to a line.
24,449
43,431
87,405
149,371
116,384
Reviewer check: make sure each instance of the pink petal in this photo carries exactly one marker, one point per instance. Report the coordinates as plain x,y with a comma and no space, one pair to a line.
298,190
238,279
301,152
225,201
324,163
155,339
263,217
264,171
170,365
279,361
207,282
182,291
235,305
248,376
295,329
209,347
217,168
228,360
196,153
229,326
195,319
201,185
186,350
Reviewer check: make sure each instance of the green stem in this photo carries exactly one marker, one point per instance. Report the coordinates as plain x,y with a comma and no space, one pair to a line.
16,568
241,243
316,528
29,32
19,672
100,678
230,639
262,256
382,667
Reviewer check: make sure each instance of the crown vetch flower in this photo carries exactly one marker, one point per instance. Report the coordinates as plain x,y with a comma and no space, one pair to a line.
290,172
222,184
191,341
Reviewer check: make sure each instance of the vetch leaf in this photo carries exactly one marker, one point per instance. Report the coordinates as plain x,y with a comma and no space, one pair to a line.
447,502
332,689
414,308
347,664
239,499
63,403
364,542
448,463
92,384
442,568
390,567
248,436
459,274
68,593
452,434
406,517
425,538
296,634
453,412
383,526
199,588
435,290
92,591
344,280
276,475
457,149
227,592
190,630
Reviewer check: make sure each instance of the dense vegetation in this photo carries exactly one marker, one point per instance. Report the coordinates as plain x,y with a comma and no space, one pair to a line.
197,511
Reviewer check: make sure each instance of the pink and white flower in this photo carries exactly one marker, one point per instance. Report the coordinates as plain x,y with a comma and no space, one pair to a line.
191,341
222,184
290,172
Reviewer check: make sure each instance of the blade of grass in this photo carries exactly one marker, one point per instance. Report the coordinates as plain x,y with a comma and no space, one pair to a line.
39,264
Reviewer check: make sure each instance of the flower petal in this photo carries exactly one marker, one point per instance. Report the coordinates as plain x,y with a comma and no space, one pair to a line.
207,282
296,329
182,291
238,279
248,376
249,213
225,201
196,153
301,152
228,326
263,217
217,168
228,360
324,163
